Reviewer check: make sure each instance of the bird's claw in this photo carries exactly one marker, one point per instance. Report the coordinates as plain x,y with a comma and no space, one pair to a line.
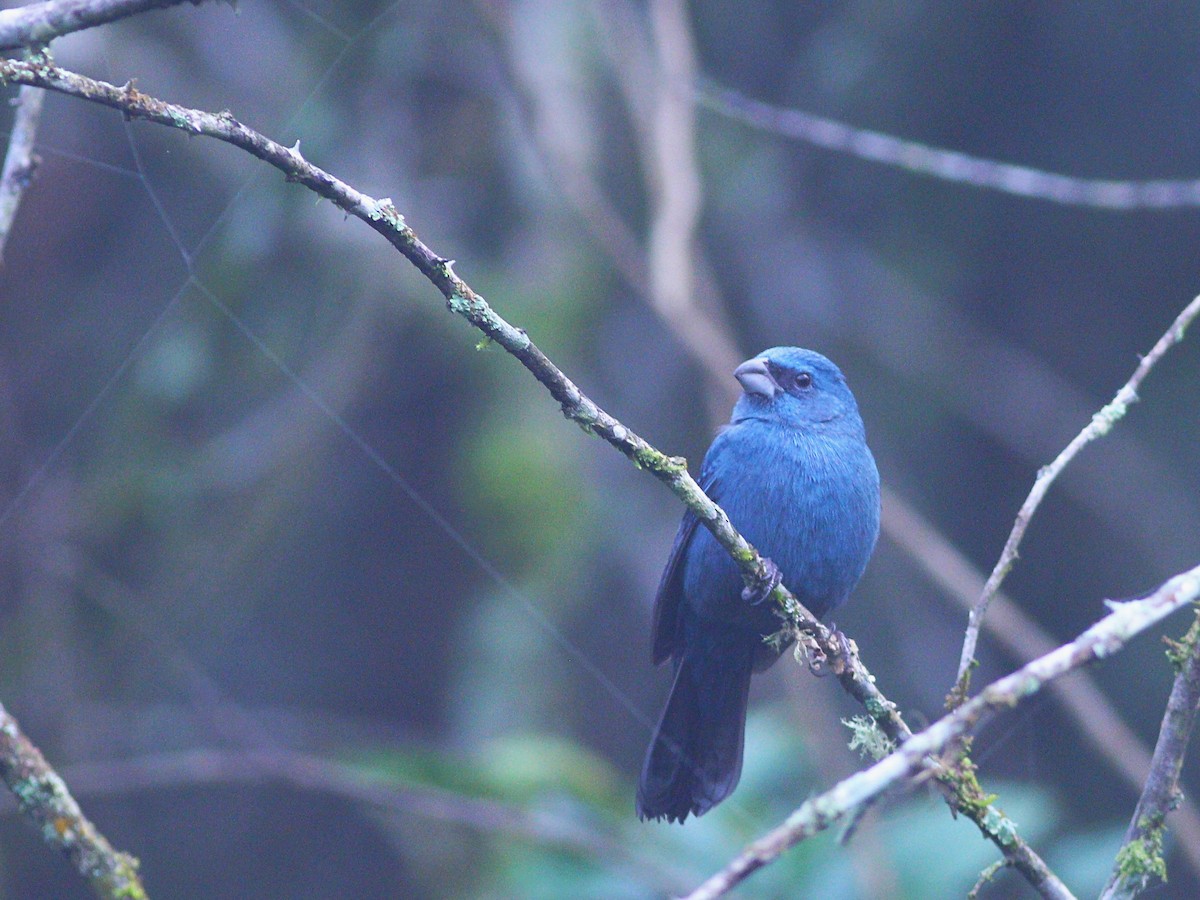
756,594
817,660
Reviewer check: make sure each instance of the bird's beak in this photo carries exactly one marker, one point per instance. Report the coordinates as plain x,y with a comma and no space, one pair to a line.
755,378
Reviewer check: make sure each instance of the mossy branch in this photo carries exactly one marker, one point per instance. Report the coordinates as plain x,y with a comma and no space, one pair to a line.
1140,860
44,799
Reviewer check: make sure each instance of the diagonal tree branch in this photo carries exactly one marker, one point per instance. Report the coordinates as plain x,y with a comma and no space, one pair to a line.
1140,859
1099,426
1103,639
20,163
44,799
38,24
381,215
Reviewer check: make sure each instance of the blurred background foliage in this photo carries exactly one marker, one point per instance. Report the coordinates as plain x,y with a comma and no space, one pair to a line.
261,492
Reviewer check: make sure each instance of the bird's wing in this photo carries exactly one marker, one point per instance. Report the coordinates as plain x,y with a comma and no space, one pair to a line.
670,588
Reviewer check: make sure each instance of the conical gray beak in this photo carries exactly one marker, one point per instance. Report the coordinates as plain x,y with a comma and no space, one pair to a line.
755,378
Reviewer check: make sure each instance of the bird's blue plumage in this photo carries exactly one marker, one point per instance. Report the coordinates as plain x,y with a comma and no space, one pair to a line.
793,472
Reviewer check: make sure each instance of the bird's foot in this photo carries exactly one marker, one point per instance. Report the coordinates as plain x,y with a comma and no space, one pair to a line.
816,658
756,594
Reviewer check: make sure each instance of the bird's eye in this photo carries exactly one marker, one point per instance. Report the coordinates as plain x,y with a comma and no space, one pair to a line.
803,380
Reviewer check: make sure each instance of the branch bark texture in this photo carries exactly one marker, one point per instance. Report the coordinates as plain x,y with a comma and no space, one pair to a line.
38,24
19,162
44,799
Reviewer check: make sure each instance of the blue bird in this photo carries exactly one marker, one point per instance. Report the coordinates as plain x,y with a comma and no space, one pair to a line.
793,471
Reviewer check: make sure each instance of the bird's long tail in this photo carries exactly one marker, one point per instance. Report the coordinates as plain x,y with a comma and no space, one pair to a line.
695,758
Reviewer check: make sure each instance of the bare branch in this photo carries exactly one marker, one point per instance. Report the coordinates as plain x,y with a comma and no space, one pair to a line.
1103,639
44,799
19,162
950,165
302,770
530,99
678,183
38,24
1098,427
1140,857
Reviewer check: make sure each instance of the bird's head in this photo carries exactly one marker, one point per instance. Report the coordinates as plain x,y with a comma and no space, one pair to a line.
800,388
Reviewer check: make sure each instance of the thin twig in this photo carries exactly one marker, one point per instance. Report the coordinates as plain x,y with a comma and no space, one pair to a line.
1098,427
44,799
38,24
950,165
1140,859
985,878
1103,639
382,216
20,163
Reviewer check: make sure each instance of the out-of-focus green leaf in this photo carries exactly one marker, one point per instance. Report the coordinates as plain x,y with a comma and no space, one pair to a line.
523,766
524,479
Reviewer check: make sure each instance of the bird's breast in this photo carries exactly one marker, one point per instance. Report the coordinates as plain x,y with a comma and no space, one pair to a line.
810,505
